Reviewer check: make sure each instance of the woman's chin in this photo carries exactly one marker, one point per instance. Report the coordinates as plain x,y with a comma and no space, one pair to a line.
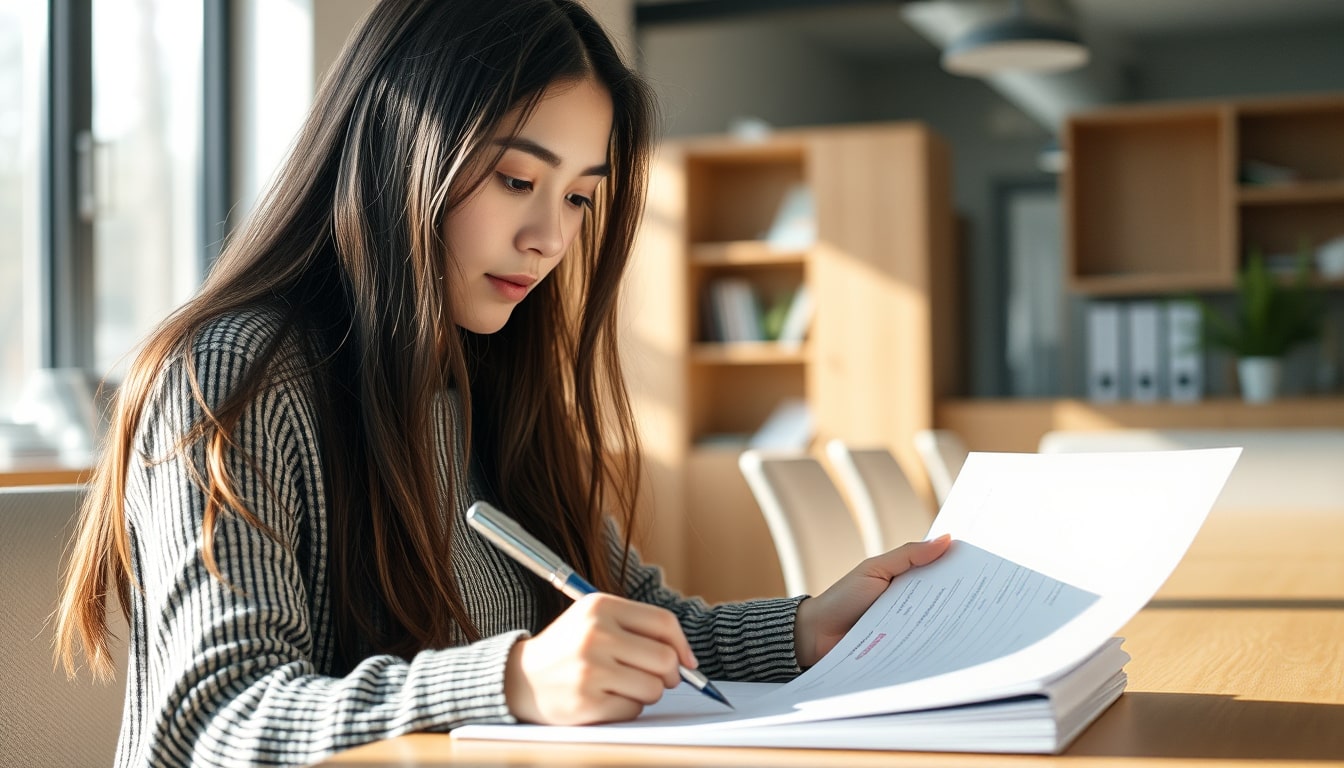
485,325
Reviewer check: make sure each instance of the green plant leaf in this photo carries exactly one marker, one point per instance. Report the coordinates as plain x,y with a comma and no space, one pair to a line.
1271,317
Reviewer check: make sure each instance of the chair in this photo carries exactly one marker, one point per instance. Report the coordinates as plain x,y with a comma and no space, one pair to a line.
45,719
813,532
885,505
943,453
1283,468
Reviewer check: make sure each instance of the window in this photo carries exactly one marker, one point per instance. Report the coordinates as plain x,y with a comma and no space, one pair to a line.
113,156
145,151
22,30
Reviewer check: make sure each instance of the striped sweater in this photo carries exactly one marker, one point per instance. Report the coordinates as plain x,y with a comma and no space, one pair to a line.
245,675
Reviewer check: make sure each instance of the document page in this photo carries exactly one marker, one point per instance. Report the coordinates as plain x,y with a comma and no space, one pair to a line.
966,608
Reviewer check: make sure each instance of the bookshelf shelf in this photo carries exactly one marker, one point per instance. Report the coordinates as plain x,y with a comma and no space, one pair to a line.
1136,284
743,253
1017,425
1292,194
748,353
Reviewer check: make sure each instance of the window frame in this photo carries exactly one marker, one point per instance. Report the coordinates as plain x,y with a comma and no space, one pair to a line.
66,312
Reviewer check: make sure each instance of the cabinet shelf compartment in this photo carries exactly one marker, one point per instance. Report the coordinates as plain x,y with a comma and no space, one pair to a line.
1303,136
738,190
770,282
1283,231
1147,195
737,399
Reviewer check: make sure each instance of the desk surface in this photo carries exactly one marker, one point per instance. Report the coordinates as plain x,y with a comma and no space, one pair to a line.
1260,557
1237,658
1208,686
14,476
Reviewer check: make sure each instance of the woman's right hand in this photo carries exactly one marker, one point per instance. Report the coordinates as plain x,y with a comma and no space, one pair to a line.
601,660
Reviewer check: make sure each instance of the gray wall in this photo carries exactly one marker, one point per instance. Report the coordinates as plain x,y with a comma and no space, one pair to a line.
707,75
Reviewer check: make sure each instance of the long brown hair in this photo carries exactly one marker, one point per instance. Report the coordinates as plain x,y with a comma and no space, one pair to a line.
347,248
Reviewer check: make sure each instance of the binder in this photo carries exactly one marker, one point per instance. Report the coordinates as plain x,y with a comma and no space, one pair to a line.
1144,367
1103,351
1185,362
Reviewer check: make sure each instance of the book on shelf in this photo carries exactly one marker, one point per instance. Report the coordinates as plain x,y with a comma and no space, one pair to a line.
1260,172
788,317
735,313
1004,644
799,317
794,227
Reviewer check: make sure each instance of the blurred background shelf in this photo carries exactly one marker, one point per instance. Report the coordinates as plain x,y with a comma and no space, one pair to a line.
1016,425
879,350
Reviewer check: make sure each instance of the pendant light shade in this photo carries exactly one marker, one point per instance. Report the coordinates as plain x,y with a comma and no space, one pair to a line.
1015,43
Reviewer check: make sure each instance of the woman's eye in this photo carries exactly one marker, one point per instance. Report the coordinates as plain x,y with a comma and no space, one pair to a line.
517,185
579,201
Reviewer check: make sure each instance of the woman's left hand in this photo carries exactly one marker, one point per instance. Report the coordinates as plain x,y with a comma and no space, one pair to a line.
824,619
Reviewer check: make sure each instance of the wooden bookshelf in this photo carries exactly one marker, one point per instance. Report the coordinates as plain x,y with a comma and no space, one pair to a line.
1160,198
881,275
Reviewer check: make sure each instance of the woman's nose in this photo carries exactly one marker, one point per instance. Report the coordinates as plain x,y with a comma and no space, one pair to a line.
544,230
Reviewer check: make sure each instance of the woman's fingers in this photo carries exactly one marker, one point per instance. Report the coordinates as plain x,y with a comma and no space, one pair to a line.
648,622
603,659
824,619
889,565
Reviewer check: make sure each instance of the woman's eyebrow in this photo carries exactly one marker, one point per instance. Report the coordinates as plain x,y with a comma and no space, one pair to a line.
548,157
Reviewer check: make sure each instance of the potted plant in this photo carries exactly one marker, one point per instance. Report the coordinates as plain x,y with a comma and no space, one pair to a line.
1271,317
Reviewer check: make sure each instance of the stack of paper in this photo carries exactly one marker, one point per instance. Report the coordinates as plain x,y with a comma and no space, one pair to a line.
1002,645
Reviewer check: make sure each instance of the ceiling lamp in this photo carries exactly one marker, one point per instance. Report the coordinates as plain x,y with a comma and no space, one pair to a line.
1015,43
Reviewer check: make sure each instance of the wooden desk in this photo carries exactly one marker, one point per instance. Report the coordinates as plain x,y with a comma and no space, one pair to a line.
1263,558
1240,657
43,475
1208,687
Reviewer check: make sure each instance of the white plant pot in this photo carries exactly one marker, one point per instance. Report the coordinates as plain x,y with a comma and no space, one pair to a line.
1259,377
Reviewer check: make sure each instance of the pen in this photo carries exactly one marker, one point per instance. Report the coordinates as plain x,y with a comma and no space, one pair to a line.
506,534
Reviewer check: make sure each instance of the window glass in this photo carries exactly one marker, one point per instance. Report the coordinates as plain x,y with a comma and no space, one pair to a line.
147,106
22,32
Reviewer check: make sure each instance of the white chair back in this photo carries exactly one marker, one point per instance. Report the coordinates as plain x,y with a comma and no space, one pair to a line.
886,507
1299,469
813,532
46,719
943,453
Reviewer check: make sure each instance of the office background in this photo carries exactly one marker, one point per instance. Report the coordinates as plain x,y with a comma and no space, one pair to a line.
134,133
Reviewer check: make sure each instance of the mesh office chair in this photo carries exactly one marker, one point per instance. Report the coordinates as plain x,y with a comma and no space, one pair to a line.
814,534
887,509
943,453
45,719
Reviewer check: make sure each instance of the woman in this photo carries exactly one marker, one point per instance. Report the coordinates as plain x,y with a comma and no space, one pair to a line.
421,313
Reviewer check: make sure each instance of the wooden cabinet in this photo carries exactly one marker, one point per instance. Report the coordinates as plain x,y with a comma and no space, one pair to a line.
1168,199
1171,198
880,350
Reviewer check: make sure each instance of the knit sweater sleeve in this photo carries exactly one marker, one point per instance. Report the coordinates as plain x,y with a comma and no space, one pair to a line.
231,671
751,641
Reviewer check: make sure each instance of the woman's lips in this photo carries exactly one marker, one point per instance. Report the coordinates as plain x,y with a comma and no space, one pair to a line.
512,287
